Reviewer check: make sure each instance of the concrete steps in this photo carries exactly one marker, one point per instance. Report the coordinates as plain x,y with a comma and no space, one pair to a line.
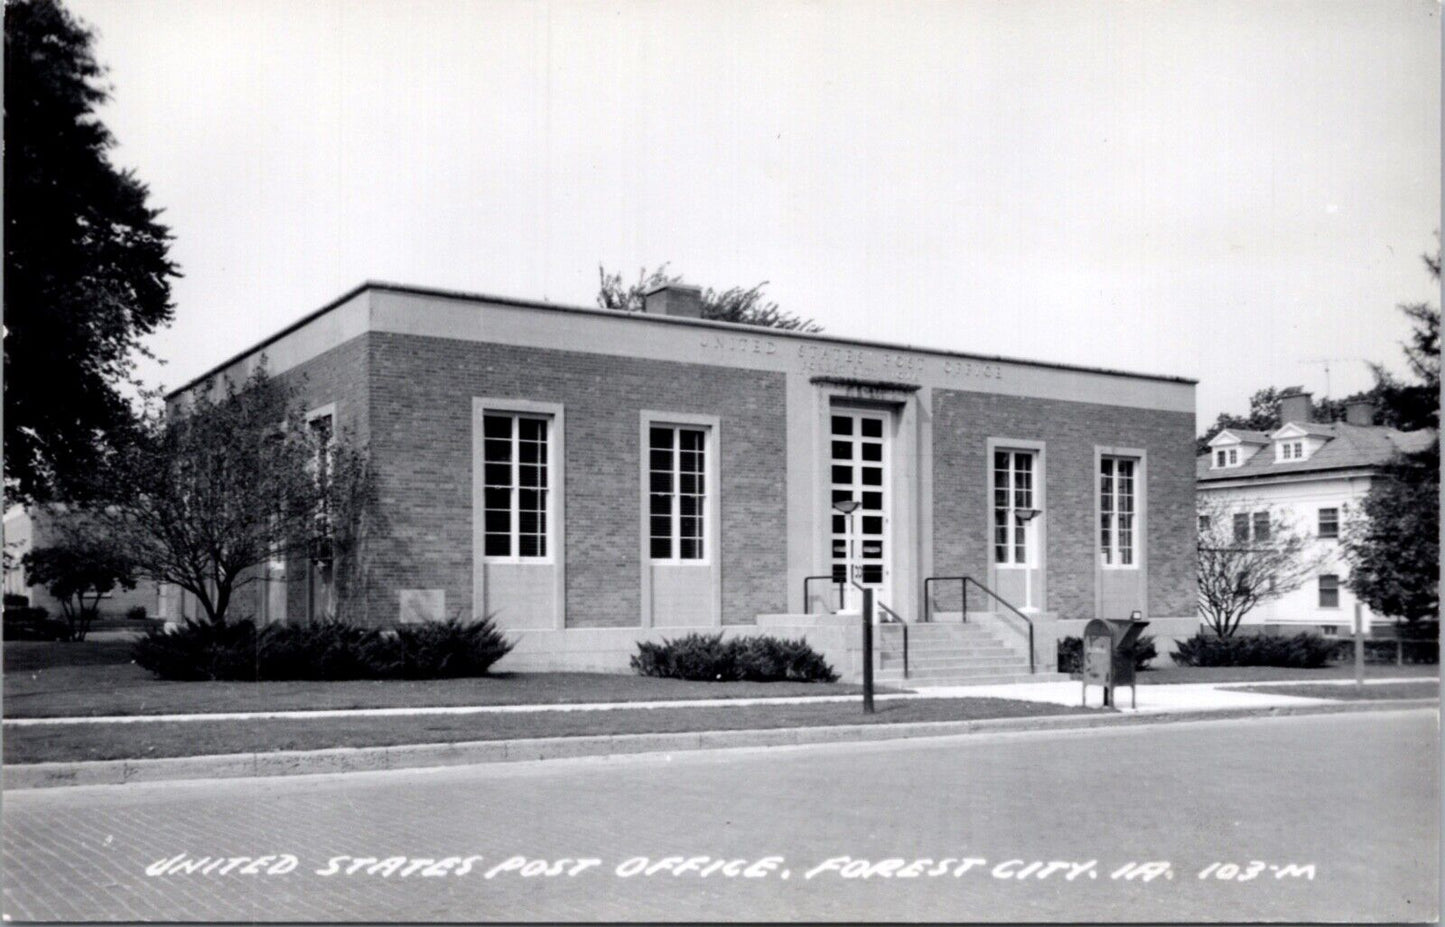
982,651
1005,679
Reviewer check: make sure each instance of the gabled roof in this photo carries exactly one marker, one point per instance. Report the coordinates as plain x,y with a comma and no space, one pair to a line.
1348,447
1314,429
1243,436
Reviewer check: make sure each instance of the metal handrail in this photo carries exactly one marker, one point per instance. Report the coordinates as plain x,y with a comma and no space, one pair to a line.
901,625
928,598
1000,600
807,600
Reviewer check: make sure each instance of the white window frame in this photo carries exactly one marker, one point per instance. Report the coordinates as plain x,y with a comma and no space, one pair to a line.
1030,528
1136,513
1221,459
1234,456
709,489
519,409
1320,523
1320,591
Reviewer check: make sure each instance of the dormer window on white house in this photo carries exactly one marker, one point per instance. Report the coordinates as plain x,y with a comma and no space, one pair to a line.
1291,450
1226,457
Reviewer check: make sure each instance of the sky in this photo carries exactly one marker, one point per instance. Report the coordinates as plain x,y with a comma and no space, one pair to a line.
1237,192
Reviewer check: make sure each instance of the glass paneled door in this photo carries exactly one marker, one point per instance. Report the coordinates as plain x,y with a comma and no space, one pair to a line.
858,463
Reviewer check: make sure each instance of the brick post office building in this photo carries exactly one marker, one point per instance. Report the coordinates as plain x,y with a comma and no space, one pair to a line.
592,478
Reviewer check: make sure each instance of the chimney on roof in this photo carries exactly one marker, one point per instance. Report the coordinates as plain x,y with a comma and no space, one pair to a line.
1294,406
1359,412
674,299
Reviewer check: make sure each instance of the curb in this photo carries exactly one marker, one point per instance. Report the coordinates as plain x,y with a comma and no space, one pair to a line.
467,753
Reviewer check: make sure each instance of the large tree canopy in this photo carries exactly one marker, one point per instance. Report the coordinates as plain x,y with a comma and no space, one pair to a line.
1394,544
746,306
86,268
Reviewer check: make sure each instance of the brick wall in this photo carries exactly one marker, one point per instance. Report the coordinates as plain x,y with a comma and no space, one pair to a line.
421,439
964,421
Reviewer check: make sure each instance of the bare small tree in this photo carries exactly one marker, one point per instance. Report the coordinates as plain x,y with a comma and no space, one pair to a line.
1244,562
202,498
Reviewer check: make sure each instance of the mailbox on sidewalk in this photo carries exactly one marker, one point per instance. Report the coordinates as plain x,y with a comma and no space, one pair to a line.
1108,658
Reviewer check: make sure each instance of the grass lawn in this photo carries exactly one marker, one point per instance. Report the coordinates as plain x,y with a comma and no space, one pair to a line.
48,680
1385,690
103,741
1176,674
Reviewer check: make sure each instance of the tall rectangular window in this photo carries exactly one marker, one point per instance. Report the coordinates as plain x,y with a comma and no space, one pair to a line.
1241,527
1329,591
677,492
1117,510
515,485
1261,526
1330,523
1013,506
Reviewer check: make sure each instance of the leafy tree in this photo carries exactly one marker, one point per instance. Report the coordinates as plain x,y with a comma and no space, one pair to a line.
86,267
746,306
79,570
1409,406
1393,541
1236,574
205,496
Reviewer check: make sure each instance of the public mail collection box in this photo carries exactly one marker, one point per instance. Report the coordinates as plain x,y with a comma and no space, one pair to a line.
1109,656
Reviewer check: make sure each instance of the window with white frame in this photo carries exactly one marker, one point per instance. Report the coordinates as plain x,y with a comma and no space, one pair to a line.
677,492
1329,523
1117,510
1233,456
1261,526
1220,457
515,474
1329,591
1014,474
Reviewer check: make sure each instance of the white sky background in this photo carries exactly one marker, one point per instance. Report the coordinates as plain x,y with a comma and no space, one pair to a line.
1229,191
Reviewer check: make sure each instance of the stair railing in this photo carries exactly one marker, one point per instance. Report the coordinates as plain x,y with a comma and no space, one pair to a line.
807,599
1006,604
896,619
928,594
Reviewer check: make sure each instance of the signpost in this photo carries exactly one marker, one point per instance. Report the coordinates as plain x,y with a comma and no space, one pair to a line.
1359,653
867,650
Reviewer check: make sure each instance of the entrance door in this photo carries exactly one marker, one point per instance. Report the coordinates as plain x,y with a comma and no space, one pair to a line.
861,549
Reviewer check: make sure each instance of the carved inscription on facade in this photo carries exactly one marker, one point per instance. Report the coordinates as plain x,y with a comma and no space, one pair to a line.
847,361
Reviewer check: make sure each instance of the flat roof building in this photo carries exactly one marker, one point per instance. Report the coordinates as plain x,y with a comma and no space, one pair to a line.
591,478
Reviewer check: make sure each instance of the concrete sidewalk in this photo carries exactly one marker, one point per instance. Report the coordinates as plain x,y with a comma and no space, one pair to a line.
1155,699
1151,699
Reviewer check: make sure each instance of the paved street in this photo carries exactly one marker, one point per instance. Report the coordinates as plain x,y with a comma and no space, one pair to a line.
1353,796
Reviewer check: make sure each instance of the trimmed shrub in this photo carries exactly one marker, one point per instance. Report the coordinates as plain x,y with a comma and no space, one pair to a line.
332,650
1071,653
447,649
34,624
1302,651
16,600
707,657
136,613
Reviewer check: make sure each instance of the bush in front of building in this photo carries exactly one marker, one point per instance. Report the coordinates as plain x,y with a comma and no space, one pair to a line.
1301,651
1071,653
708,657
33,624
333,650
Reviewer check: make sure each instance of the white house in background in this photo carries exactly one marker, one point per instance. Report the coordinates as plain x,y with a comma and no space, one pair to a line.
1316,475
26,529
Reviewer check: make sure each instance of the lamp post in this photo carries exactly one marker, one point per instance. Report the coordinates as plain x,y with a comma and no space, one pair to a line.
1027,516
847,507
